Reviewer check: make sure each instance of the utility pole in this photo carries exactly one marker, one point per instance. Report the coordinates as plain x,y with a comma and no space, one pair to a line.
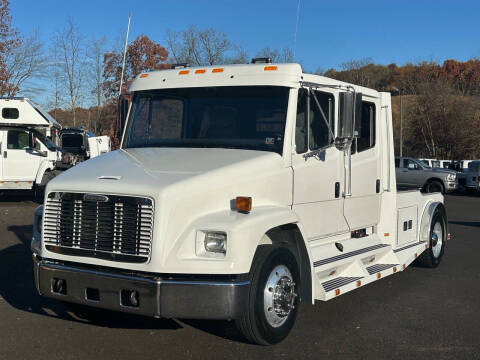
401,124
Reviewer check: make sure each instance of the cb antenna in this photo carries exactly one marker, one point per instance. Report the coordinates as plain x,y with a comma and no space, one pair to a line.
124,54
296,30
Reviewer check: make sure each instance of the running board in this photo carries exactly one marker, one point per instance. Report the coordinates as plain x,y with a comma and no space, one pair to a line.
339,274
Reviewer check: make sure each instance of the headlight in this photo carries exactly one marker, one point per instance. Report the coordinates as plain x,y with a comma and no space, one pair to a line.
211,244
451,177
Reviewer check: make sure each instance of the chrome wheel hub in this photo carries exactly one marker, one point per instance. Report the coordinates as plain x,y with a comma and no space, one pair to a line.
437,239
279,296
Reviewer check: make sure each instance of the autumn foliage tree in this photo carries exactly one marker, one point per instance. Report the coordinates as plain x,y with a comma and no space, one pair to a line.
142,55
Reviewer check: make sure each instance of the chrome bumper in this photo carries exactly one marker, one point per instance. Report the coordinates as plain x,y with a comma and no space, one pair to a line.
157,297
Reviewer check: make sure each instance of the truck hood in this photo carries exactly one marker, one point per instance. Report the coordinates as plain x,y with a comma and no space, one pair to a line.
146,171
443,171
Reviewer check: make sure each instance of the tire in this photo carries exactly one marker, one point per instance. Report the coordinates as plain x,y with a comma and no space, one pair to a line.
435,186
274,271
40,188
432,256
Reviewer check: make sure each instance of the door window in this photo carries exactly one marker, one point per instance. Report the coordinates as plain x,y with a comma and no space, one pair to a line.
17,140
365,129
412,165
317,135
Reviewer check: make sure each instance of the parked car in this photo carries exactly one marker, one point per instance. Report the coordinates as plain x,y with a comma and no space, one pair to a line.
414,173
472,176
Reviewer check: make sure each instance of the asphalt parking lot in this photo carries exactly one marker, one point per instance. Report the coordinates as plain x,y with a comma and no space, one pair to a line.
418,313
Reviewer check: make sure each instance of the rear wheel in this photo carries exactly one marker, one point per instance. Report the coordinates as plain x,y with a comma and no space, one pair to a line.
433,255
272,304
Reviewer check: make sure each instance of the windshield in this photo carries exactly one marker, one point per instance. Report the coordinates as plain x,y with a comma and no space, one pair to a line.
240,117
45,141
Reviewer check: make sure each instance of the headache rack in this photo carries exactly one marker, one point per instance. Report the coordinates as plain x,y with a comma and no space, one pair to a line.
109,227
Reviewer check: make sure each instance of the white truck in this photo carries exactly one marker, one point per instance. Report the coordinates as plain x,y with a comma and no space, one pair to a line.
238,191
28,156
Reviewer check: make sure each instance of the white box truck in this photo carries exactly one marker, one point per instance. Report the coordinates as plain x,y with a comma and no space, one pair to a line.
28,155
238,192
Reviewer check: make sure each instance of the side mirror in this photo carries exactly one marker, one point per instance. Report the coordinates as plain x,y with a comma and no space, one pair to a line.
123,103
350,106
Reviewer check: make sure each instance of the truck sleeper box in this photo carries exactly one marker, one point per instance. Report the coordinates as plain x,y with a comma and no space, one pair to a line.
238,191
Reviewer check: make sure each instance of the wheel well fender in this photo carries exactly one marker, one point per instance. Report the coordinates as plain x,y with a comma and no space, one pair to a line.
290,236
427,217
42,169
434,179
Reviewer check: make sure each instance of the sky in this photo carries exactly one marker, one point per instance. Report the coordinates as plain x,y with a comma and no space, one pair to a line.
329,32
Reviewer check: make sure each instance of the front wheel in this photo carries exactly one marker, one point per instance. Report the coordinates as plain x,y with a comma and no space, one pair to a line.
432,256
272,304
434,186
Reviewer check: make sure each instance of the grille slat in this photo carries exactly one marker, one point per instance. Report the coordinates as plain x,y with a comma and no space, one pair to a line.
122,225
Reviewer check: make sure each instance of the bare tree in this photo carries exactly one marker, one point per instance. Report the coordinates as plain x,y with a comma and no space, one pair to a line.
24,62
71,48
96,52
356,71
283,55
200,47
55,73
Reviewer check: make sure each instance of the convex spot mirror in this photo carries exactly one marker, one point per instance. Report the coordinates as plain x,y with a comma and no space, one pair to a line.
350,113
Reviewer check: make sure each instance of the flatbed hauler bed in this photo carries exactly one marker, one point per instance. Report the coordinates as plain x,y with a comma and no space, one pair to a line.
238,191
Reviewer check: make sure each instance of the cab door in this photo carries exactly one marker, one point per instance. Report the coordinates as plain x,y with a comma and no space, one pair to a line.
362,205
318,167
20,162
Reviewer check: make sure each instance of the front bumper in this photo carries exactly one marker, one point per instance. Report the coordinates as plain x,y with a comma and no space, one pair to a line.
157,297
451,186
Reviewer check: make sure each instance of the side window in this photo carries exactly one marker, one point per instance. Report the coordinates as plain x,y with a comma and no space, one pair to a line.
435,163
397,162
10,113
301,123
365,128
319,134
17,140
412,165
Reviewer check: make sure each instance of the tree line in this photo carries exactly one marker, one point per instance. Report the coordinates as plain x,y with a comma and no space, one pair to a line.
81,77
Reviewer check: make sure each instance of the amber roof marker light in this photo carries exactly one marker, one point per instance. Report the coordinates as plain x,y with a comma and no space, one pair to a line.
243,204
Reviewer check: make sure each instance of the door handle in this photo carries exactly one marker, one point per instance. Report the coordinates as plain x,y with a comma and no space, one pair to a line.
404,170
337,190
5,154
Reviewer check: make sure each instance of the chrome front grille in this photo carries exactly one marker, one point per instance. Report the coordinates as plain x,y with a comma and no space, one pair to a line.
109,227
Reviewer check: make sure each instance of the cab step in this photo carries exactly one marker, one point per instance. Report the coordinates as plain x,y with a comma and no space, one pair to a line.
379,268
339,282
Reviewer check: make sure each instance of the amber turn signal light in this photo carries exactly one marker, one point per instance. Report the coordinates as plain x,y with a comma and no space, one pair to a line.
243,203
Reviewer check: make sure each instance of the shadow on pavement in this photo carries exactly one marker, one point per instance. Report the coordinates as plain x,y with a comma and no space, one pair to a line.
223,329
466,223
17,196
17,288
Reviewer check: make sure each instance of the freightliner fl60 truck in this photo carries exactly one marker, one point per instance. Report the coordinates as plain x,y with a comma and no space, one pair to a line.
238,192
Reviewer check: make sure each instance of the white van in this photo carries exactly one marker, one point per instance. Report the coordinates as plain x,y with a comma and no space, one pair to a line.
28,156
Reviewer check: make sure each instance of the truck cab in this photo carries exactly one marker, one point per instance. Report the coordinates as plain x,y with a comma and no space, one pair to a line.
237,192
79,145
28,155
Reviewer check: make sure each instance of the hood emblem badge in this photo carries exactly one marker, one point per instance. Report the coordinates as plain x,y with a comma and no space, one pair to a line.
109,177
95,198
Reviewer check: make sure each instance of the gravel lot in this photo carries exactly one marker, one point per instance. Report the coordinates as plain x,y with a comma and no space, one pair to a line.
418,313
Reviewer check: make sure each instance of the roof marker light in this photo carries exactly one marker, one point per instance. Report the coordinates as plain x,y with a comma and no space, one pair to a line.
183,72
217,70
270,68
143,76
337,292
200,71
